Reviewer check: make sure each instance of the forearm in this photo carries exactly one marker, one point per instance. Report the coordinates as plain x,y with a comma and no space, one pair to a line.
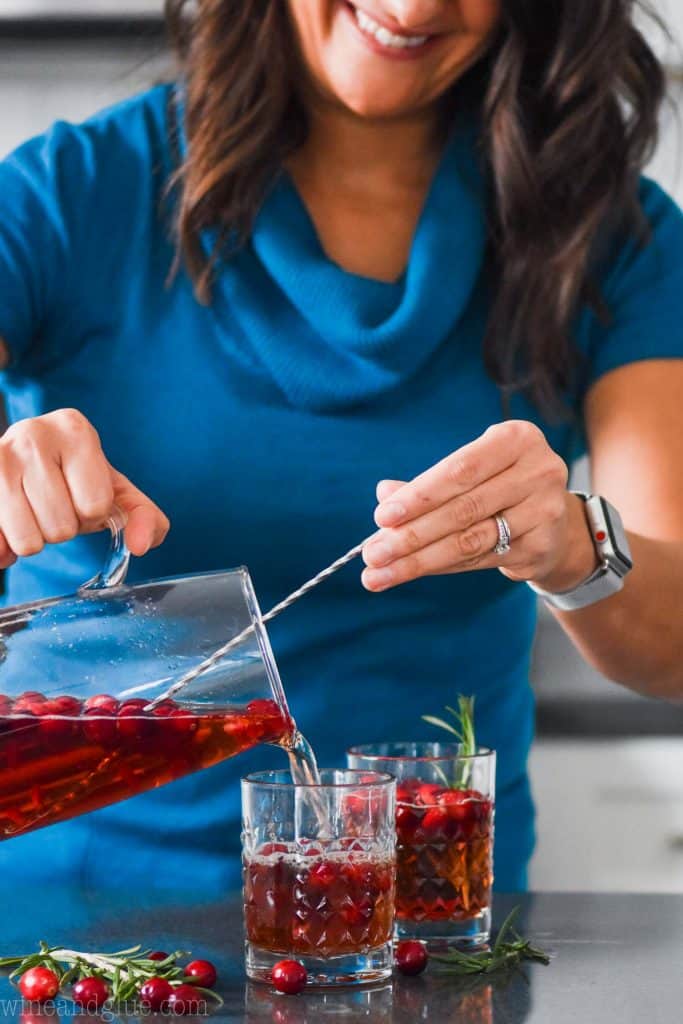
636,636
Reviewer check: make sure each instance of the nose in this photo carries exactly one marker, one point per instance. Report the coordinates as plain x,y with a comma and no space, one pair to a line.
414,14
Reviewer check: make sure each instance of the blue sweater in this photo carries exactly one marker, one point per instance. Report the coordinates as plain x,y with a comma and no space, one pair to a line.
261,425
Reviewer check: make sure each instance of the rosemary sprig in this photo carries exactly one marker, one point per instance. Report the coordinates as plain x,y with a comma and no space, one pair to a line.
125,971
463,730
506,953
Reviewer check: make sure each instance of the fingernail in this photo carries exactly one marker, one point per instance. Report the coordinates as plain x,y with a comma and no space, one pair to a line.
377,578
391,512
378,553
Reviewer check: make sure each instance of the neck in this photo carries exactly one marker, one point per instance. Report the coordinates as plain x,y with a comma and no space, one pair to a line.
344,147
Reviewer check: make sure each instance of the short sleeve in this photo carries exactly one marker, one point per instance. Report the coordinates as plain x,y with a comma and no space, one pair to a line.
34,237
75,204
643,290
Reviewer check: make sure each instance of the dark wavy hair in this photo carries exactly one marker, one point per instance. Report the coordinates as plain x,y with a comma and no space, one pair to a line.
568,93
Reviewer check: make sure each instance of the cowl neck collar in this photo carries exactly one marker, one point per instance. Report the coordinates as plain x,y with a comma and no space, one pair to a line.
330,339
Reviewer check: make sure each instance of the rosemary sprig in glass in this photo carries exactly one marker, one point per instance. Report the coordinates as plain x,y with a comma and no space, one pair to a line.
463,730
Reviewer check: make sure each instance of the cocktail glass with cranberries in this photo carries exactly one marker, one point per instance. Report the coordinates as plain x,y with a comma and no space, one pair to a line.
444,828
85,714
319,864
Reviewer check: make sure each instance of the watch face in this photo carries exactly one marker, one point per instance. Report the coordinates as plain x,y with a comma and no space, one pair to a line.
616,536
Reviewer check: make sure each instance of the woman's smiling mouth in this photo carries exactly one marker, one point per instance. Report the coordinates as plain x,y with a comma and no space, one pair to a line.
384,40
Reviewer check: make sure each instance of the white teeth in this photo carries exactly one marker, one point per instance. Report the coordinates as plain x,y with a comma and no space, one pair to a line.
383,35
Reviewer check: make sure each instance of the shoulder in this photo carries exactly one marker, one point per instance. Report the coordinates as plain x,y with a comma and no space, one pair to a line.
106,152
643,259
640,278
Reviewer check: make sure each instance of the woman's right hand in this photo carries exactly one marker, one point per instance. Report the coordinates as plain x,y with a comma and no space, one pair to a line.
56,482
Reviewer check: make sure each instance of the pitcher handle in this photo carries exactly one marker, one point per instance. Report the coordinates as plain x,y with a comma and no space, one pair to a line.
113,572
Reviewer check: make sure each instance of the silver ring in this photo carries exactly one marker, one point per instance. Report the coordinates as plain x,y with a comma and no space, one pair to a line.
504,536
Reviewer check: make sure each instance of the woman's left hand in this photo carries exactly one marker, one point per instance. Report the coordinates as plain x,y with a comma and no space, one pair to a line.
443,521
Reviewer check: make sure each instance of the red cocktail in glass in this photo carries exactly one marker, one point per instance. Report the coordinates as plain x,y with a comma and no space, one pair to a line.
445,827
319,870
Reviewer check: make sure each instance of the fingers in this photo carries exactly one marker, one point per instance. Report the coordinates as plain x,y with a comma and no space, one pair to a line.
530,547
495,451
85,470
458,516
56,482
7,556
49,497
19,526
385,488
146,525
457,552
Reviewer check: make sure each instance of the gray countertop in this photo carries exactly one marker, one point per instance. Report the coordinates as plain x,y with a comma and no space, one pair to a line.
616,960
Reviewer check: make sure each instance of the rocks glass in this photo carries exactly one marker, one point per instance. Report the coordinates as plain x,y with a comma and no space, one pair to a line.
319,864
444,825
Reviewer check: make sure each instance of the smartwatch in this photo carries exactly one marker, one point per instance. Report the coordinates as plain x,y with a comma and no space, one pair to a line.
611,544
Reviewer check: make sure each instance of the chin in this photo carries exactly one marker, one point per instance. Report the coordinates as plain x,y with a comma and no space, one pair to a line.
374,102
375,110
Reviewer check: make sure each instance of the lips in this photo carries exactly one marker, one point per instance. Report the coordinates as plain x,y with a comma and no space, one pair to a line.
389,39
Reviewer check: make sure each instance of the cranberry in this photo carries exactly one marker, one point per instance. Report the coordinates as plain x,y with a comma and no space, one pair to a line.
156,993
484,809
406,822
30,697
164,709
182,722
359,912
436,820
5,712
28,703
107,704
323,874
428,792
100,725
39,984
264,708
406,790
290,977
57,718
202,973
239,729
158,954
68,706
452,797
411,957
184,999
90,993
269,848
132,723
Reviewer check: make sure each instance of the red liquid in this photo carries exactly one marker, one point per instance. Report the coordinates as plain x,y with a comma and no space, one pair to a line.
59,758
320,906
444,852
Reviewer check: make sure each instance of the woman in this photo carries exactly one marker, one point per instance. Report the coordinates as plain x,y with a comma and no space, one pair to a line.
405,241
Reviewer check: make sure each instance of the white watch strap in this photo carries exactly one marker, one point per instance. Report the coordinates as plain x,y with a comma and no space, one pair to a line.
602,583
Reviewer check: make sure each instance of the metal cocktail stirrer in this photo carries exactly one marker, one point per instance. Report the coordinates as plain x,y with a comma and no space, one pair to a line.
237,640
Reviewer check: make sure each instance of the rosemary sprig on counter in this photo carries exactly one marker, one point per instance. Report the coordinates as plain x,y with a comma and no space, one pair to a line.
509,950
125,971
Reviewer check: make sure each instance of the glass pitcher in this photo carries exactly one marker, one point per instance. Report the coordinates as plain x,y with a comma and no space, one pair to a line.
82,722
